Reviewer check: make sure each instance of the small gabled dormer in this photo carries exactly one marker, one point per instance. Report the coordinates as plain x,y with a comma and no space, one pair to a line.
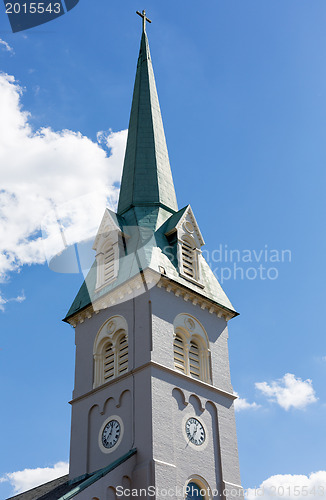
189,243
109,249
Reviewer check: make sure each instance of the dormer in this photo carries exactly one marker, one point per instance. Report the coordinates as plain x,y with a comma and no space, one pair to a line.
184,226
109,249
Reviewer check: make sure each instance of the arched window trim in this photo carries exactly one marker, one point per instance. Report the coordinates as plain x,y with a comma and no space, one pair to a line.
112,331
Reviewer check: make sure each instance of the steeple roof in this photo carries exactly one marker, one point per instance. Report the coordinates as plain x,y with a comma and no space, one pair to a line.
147,178
148,217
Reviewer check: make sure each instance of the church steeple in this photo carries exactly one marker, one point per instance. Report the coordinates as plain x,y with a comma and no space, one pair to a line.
148,231
153,402
147,178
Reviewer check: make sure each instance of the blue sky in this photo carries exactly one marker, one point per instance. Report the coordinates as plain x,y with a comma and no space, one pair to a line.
242,86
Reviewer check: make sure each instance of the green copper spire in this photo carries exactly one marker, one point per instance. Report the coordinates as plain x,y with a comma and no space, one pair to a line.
147,178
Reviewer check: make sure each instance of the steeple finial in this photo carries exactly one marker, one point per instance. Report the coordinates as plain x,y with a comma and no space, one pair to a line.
143,15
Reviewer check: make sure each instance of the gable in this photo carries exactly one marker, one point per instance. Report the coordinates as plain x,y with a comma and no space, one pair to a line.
111,225
184,223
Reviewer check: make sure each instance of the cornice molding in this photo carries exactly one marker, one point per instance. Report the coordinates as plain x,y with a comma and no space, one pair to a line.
147,279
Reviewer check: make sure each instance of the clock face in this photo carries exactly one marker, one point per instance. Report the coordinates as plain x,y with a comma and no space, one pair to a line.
111,434
195,431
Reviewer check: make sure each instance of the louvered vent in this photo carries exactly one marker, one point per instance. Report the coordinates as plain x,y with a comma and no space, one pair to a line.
188,260
123,355
179,355
194,362
109,265
108,362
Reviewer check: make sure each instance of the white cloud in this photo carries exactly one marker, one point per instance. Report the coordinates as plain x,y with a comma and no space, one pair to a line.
27,479
243,404
289,391
6,46
4,301
291,487
45,172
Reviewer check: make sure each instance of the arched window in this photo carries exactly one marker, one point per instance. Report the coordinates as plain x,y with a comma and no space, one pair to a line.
191,348
194,360
197,489
179,354
122,355
110,351
194,491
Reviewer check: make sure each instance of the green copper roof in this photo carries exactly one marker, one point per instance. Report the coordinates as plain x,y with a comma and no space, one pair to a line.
97,475
173,220
147,177
63,489
147,210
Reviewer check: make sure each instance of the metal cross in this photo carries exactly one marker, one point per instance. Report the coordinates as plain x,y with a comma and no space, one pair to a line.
143,15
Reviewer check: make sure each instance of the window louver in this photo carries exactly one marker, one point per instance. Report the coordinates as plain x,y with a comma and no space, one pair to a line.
194,362
188,260
108,362
179,355
123,355
109,265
